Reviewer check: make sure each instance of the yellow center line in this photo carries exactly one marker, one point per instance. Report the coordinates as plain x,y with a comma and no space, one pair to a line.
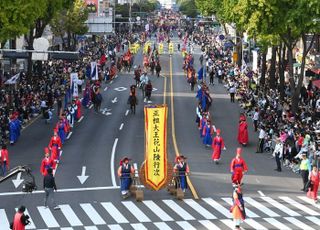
193,190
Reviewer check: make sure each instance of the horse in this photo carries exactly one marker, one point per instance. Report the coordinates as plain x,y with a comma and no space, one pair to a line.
133,101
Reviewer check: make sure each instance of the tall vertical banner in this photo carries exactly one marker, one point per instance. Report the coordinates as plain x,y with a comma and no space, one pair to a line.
74,84
156,168
94,71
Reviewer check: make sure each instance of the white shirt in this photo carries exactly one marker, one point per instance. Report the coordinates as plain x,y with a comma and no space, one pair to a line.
278,149
256,116
232,89
262,134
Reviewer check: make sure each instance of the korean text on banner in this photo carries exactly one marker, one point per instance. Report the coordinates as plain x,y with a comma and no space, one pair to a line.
155,146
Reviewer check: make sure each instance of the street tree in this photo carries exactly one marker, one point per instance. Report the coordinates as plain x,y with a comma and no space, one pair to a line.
52,8
291,21
17,16
71,22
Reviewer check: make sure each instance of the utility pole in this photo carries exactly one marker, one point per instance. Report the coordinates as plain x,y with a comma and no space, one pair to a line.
130,15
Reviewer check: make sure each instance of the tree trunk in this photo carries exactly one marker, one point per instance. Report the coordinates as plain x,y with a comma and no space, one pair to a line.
272,76
281,67
263,70
30,40
69,40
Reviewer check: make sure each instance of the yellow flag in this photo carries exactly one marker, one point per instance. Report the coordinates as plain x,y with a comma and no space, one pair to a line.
156,145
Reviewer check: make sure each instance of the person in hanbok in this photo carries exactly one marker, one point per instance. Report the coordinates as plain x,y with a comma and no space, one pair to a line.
238,209
237,167
55,146
217,146
243,138
207,133
314,178
125,171
78,104
46,162
86,95
203,122
181,169
62,130
4,160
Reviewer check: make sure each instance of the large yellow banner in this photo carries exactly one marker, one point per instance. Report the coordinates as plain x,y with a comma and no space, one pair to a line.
156,145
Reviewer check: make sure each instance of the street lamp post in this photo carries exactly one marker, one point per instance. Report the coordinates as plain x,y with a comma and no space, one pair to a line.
130,15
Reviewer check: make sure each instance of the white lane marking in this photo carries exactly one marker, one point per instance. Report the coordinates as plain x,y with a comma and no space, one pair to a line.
70,215
162,226
105,89
248,212
157,210
4,222
69,135
113,178
209,225
92,214
115,227
254,224
141,217
66,228
127,112
229,223
261,193
180,211
90,107
114,212
202,211
299,206
261,207
218,207
185,225
277,224
63,190
280,206
91,228
314,219
138,226
48,217
309,201
298,223
31,225
80,119
121,126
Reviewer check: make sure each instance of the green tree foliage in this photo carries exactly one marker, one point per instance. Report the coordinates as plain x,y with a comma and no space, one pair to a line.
17,16
289,20
71,22
188,7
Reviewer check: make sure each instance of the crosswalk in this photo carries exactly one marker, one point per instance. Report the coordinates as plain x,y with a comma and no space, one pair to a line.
263,212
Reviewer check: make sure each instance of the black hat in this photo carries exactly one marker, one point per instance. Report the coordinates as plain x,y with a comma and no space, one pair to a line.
22,209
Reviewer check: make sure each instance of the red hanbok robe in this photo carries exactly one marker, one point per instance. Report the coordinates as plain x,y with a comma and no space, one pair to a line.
55,156
55,141
45,164
313,191
217,146
79,113
237,167
243,132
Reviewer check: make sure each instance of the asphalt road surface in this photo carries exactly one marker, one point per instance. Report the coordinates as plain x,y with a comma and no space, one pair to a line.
100,140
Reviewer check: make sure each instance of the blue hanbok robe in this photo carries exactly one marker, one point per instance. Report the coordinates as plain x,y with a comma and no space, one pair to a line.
125,178
207,139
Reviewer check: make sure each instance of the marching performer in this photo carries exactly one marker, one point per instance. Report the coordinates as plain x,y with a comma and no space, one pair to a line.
78,104
181,168
217,146
46,163
207,133
237,209
237,167
314,178
243,130
55,146
124,172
